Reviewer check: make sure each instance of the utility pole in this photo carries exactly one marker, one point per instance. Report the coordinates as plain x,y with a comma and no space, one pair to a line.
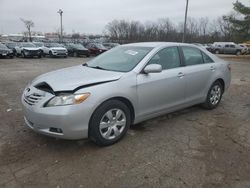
185,23
61,34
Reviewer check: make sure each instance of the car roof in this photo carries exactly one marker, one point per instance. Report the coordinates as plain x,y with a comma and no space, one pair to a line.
158,44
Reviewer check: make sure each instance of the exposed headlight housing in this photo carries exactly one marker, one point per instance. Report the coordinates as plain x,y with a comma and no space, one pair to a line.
67,99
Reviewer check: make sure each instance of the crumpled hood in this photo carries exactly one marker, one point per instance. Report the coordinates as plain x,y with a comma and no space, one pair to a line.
68,79
30,48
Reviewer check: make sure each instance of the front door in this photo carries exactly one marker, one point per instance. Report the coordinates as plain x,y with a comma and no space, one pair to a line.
159,91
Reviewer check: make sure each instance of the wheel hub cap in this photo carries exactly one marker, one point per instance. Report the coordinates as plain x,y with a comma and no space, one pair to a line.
112,124
215,95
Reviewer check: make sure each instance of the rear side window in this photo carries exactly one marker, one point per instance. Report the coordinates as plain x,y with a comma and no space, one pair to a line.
168,58
192,56
206,58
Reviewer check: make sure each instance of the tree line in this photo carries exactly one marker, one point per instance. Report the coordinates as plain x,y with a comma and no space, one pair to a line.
232,27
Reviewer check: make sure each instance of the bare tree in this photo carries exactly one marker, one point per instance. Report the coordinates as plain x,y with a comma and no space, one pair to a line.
28,24
203,27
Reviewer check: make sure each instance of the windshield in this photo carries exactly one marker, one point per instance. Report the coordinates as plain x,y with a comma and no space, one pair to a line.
76,45
11,45
121,59
99,46
38,44
55,45
3,46
27,45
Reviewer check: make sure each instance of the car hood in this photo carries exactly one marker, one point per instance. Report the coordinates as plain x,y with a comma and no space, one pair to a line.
57,48
83,49
72,78
30,48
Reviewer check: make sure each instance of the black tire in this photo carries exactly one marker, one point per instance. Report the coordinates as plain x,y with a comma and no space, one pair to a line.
75,54
217,51
50,54
238,53
23,54
94,125
208,104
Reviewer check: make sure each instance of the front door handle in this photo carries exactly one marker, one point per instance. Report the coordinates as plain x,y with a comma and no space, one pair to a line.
212,68
181,75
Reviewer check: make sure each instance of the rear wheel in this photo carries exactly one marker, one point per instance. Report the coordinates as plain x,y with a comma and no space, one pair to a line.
109,123
214,96
217,51
238,53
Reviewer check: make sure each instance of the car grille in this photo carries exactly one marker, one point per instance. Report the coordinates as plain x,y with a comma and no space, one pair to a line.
32,52
32,99
61,51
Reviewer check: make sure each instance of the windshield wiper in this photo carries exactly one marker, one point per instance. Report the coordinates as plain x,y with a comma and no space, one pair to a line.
94,67
97,67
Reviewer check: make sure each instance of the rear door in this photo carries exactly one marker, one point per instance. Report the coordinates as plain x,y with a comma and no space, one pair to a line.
199,71
160,91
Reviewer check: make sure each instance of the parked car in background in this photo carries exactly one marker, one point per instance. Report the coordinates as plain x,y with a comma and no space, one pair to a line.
5,51
76,50
209,47
227,48
110,45
27,49
55,50
245,50
126,85
42,47
96,48
11,45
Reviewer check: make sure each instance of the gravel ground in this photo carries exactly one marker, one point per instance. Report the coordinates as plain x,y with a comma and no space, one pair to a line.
189,148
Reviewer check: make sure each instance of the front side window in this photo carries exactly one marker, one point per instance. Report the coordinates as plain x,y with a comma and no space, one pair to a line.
192,56
168,58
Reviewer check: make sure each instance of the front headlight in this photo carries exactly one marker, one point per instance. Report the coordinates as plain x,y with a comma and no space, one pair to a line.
69,99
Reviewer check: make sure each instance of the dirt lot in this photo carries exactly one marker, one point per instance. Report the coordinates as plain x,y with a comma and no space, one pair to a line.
190,148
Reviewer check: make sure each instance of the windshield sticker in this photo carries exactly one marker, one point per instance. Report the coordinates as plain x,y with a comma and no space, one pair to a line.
131,52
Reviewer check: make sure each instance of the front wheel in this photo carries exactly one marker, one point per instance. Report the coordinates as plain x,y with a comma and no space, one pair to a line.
109,123
214,96
50,54
23,55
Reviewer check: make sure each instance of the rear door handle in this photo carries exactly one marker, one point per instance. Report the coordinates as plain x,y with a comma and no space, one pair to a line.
181,75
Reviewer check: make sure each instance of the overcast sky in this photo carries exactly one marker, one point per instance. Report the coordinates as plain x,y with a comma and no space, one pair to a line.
91,16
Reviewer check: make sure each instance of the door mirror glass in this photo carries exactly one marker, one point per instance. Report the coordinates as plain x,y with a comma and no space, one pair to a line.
153,68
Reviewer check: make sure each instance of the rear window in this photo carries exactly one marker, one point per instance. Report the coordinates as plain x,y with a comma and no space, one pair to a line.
192,56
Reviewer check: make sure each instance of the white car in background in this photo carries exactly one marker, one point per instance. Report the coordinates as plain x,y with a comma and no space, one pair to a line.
55,50
42,47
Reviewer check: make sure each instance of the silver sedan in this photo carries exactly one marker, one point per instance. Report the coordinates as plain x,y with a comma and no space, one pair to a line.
126,85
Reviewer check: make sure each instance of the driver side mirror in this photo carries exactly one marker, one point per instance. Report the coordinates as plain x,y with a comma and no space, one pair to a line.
153,68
